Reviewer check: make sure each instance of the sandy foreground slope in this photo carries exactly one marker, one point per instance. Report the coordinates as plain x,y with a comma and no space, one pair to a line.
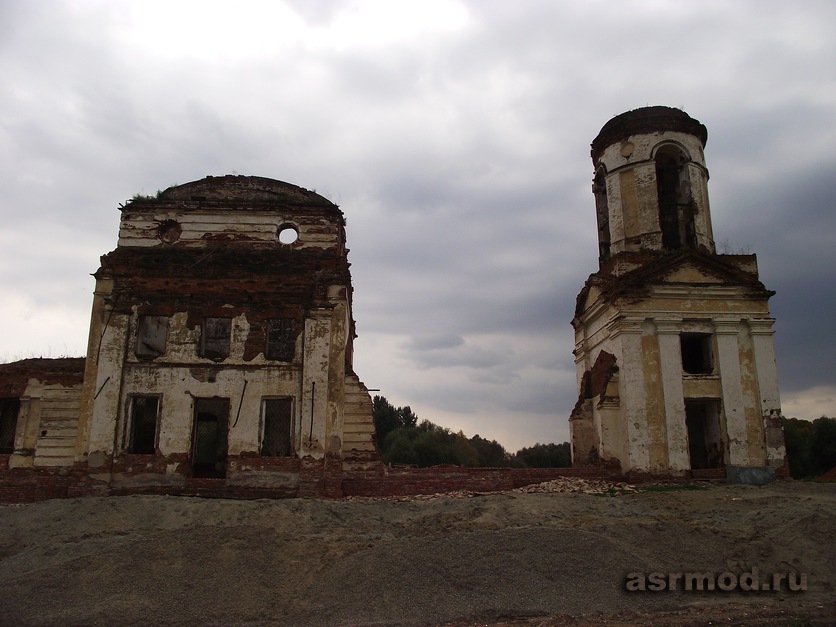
509,558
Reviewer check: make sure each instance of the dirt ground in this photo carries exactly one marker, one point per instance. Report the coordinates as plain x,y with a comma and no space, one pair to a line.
511,558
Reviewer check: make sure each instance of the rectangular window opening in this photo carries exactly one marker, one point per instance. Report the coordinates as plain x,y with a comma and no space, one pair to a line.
9,409
696,353
144,419
278,425
281,339
215,336
151,336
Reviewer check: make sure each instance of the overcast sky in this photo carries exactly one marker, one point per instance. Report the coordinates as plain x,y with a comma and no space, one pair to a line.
454,136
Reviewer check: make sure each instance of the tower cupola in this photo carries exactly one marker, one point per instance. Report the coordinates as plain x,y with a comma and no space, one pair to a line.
650,183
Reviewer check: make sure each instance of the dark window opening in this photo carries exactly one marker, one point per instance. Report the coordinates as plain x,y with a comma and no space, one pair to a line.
209,437
705,439
151,336
602,210
214,340
144,416
696,353
278,421
9,409
667,182
170,231
676,213
281,339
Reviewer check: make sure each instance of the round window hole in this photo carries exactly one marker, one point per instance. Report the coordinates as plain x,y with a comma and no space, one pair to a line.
288,234
169,231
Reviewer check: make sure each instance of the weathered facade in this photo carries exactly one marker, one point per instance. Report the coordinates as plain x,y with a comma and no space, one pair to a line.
220,349
673,342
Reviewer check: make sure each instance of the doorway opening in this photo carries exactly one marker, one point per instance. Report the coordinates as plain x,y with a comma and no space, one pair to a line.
9,409
705,435
209,437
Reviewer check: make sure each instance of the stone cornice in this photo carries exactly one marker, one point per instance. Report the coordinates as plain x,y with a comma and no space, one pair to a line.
727,327
761,326
625,325
668,326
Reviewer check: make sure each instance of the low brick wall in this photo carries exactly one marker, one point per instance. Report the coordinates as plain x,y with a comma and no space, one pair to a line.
27,486
305,478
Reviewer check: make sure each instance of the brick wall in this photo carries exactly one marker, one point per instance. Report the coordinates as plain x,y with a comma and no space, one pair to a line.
313,479
27,486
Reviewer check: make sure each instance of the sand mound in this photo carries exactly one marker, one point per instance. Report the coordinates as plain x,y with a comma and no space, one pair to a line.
557,553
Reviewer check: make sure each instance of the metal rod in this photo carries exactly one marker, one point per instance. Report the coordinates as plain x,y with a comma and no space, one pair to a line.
241,402
101,388
310,435
201,259
107,323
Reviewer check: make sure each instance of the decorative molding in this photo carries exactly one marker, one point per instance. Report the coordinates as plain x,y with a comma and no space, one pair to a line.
727,327
625,324
668,326
761,326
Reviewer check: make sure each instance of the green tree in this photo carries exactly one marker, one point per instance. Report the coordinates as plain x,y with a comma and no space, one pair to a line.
407,417
387,417
490,452
465,453
544,456
399,447
823,445
811,446
405,440
434,445
797,437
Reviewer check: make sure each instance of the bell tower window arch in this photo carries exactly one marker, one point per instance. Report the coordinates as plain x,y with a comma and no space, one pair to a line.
602,212
676,208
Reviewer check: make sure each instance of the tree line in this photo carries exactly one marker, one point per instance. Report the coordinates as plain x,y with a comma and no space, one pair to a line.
405,440
811,446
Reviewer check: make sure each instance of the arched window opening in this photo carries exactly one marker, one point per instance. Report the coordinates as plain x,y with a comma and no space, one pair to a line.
602,211
676,210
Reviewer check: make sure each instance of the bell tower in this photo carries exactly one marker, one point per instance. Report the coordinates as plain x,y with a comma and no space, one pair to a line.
673,342
650,183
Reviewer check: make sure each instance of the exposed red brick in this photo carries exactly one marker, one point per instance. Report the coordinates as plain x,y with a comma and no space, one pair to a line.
14,376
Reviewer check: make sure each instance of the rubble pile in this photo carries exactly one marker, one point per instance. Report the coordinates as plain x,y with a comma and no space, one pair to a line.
457,494
576,484
559,485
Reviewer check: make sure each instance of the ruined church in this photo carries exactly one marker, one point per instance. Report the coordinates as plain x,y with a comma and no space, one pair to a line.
220,349
673,341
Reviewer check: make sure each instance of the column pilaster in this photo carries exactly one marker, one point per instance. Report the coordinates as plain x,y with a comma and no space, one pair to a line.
670,354
728,358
